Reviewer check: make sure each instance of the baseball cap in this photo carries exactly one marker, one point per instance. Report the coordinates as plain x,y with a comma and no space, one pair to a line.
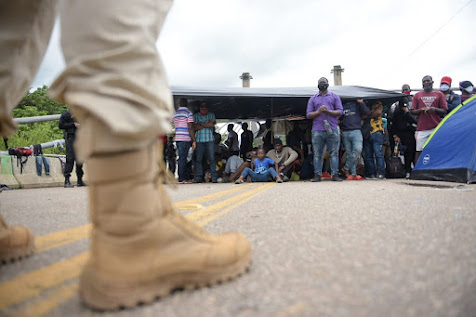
446,80
465,84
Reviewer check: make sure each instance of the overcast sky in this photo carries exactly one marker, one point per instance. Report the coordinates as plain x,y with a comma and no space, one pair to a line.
381,44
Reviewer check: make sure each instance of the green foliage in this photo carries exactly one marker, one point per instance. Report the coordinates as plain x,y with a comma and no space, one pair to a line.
37,103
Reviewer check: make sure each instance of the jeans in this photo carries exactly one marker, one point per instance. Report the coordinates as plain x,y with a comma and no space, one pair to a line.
206,149
372,146
255,177
46,163
321,138
183,148
353,143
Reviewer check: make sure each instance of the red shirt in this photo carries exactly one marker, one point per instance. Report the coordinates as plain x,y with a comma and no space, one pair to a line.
434,99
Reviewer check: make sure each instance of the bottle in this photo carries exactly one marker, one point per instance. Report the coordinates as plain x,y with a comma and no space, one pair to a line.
395,149
328,128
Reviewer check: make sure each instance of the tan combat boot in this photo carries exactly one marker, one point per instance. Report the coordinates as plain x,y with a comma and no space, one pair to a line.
141,248
15,242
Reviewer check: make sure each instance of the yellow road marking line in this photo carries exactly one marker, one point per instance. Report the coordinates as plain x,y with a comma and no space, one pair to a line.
212,196
60,238
226,210
199,214
44,305
31,284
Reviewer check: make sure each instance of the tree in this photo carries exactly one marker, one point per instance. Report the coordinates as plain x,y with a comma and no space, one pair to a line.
37,103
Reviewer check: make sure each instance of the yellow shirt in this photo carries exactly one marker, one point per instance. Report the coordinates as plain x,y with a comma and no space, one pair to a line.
376,124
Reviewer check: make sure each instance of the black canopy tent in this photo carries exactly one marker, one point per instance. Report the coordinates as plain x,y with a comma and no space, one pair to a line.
261,103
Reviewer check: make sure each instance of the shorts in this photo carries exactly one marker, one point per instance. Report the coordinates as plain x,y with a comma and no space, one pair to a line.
421,137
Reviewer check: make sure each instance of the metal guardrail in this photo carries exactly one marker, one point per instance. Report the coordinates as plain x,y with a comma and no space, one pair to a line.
55,143
51,117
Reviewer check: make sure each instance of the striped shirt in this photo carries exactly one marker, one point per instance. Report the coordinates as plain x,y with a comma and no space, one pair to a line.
181,119
205,134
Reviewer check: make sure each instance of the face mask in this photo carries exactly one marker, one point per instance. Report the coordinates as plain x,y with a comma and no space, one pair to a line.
444,87
323,87
203,111
469,89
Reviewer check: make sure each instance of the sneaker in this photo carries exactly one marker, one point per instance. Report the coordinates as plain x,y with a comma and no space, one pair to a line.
317,178
196,181
359,178
351,178
326,175
381,176
279,180
372,177
336,178
407,176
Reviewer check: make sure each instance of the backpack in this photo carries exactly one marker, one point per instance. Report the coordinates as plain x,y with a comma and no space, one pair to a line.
395,167
366,128
20,152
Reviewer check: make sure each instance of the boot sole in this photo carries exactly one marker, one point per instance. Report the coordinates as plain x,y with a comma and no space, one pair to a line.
107,295
17,255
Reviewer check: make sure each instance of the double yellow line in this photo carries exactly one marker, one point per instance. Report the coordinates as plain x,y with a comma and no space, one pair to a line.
57,282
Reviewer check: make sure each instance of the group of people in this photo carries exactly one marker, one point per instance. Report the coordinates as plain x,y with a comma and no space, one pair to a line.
350,141
202,156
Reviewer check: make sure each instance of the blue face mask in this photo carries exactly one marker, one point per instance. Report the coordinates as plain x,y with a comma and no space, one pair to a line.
469,89
444,87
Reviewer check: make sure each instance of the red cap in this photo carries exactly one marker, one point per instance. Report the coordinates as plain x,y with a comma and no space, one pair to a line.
446,80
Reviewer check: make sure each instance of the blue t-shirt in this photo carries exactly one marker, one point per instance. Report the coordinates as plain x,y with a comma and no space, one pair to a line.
262,166
352,115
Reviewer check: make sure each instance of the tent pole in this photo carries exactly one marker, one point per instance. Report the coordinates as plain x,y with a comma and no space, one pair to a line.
272,114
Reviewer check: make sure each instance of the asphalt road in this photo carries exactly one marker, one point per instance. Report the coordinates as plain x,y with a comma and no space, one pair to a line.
367,248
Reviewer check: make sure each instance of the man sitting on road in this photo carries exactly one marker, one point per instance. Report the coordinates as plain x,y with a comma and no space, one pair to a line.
284,157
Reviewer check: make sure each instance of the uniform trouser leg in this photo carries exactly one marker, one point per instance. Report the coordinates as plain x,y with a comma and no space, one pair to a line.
25,28
68,168
117,111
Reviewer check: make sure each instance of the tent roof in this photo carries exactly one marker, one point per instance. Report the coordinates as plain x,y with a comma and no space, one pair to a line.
261,103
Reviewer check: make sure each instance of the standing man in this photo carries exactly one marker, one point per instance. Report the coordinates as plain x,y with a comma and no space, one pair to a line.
402,129
115,84
204,127
324,108
351,124
430,106
268,136
246,144
452,100
184,137
67,123
232,141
